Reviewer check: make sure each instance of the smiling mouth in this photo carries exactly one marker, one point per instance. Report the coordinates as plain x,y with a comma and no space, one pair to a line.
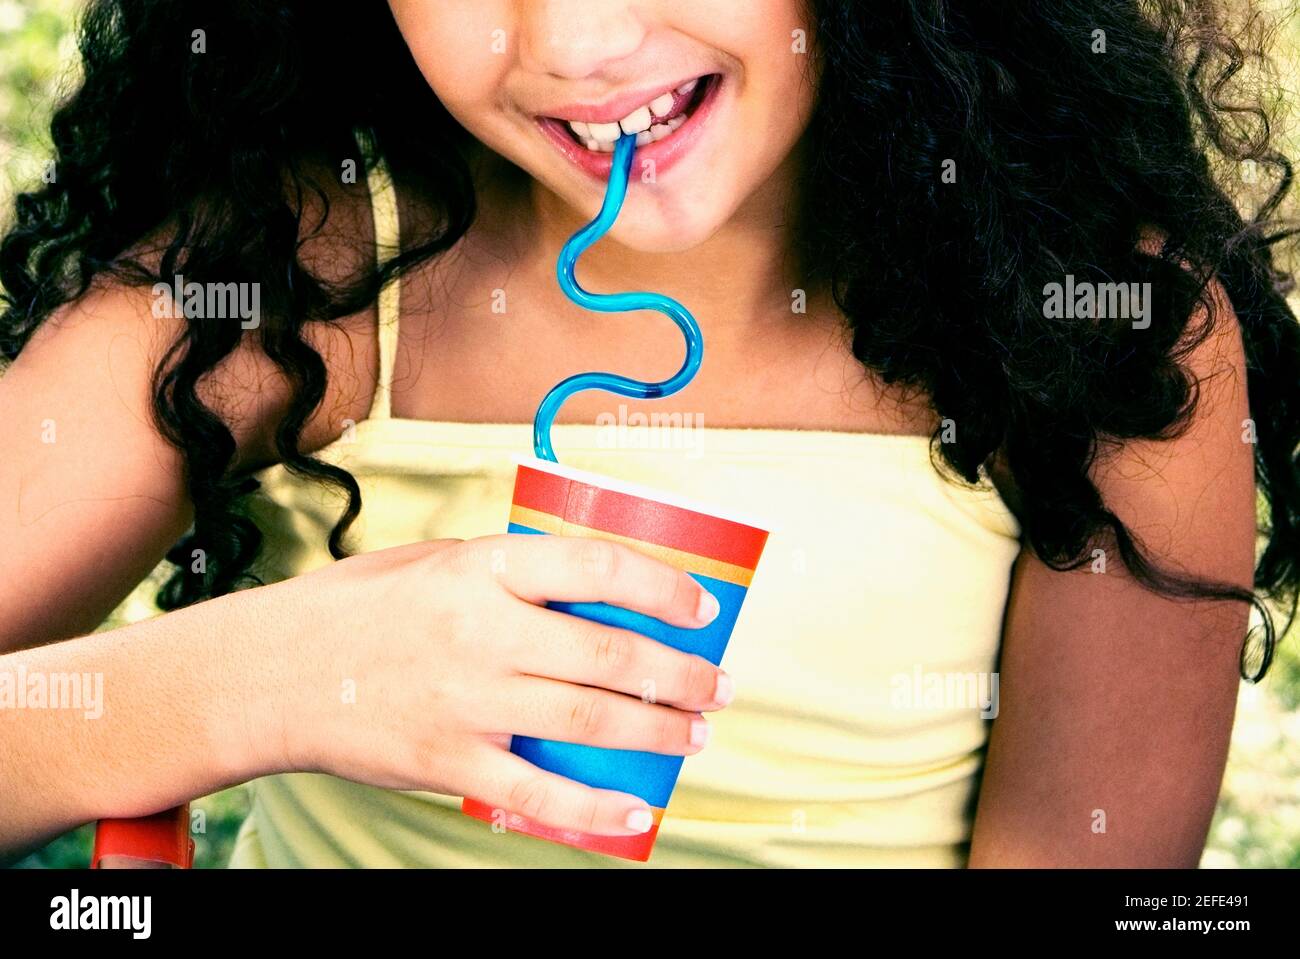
650,123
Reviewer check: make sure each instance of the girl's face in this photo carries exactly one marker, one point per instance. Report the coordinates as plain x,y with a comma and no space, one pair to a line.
718,92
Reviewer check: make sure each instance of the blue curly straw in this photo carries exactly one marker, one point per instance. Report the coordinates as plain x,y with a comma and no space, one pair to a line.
613,303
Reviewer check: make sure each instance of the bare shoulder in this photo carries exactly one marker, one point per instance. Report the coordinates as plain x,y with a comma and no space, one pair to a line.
1191,496
1156,478
247,389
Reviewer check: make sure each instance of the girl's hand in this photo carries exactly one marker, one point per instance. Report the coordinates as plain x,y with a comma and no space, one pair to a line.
416,665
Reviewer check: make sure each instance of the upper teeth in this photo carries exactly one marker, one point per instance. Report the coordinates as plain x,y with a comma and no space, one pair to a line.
645,122
604,131
638,120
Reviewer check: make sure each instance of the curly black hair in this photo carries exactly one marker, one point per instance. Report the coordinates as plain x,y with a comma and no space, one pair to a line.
1072,129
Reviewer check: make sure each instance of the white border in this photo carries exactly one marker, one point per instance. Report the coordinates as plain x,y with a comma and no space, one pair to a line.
635,489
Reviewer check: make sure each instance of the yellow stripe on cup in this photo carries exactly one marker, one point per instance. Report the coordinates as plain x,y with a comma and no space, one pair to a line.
690,562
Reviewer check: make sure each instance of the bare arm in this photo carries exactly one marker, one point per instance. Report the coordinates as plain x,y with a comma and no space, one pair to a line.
1117,705
91,496
450,651
169,709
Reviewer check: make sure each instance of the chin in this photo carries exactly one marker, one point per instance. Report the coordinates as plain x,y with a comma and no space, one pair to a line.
655,235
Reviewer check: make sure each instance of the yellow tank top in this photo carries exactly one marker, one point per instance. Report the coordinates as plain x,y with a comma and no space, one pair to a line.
881,587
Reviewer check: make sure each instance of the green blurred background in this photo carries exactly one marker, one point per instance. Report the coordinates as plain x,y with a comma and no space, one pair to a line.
1258,819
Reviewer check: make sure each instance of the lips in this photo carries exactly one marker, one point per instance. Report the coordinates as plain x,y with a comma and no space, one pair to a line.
666,123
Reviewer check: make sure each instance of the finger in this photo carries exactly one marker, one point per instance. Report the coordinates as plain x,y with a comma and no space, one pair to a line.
559,646
547,709
514,785
582,569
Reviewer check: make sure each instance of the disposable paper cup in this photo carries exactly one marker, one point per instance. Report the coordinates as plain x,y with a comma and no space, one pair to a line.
719,551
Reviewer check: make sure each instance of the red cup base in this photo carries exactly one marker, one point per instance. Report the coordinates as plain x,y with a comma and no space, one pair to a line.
637,848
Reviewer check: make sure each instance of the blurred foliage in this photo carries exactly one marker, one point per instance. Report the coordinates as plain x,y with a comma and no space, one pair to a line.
1257,823
38,65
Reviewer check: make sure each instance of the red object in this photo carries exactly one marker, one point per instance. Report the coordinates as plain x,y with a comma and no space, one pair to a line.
639,518
163,838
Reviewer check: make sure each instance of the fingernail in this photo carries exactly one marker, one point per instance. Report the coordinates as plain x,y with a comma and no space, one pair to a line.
724,691
699,732
708,609
639,820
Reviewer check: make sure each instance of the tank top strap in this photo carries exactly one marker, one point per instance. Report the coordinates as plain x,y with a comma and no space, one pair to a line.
383,205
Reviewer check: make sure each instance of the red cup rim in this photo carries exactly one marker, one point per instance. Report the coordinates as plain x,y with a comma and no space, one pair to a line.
637,489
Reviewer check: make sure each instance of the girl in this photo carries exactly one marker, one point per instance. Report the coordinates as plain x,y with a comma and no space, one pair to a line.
989,501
